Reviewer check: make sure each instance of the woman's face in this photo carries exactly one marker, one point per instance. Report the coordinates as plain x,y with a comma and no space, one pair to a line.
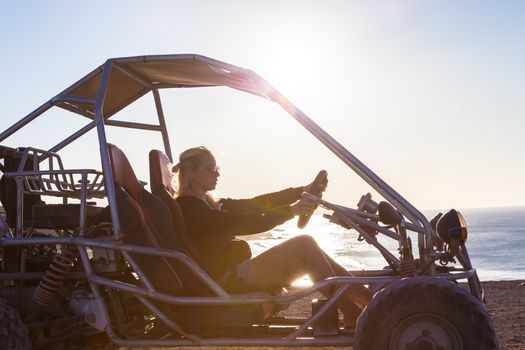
206,175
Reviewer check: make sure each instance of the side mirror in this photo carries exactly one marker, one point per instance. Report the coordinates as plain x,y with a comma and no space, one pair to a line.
388,214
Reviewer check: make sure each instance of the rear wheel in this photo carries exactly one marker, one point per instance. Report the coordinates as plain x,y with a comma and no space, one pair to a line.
13,333
423,313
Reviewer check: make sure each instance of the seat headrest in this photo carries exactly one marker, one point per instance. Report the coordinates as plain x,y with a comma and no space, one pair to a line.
123,173
160,172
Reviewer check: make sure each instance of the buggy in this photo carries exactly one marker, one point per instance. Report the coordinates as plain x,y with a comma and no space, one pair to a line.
80,276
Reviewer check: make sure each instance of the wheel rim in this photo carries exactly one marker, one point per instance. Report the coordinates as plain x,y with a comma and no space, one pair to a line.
425,332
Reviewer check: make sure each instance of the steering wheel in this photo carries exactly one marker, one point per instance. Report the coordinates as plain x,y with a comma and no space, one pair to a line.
315,189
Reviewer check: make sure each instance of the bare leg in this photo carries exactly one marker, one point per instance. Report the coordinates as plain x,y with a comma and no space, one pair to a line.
359,293
299,256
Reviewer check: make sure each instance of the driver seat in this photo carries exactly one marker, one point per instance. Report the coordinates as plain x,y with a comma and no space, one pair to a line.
146,221
161,180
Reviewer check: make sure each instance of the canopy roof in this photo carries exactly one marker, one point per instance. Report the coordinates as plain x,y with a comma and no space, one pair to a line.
132,77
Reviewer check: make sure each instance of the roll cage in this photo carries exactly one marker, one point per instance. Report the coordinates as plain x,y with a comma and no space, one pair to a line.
118,83
121,81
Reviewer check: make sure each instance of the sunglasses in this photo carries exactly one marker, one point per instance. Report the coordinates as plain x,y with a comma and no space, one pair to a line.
213,168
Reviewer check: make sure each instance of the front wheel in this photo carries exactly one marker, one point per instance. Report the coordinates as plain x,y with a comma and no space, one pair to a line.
424,313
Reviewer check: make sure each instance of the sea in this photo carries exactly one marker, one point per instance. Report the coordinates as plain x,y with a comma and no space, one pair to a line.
496,242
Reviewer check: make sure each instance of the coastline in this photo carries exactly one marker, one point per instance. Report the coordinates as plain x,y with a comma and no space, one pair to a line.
505,302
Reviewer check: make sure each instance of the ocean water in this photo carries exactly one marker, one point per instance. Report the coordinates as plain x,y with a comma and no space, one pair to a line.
496,242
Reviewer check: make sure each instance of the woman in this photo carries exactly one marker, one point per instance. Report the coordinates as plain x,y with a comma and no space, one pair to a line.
213,225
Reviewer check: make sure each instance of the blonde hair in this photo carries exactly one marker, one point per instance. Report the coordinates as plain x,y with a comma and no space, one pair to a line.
189,161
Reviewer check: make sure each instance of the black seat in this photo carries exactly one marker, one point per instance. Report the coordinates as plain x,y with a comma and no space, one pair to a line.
146,220
161,180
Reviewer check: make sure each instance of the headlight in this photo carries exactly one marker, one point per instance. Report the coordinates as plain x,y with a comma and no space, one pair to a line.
452,225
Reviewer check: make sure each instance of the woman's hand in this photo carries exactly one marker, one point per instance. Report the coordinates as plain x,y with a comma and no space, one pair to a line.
303,206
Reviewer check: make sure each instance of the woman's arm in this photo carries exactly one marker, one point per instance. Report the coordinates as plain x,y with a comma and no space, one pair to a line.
203,220
263,202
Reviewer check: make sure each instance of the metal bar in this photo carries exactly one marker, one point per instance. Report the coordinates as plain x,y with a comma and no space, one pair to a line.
370,273
355,164
142,276
25,173
331,301
161,58
44,186
19,207
162,123
76,99
84,258
181,86
77,110
95,289
15,242
463,257
83,80
196,269
358,213
389,257
368,223
242,299
28,276
104,152
219,300
474,284
83,204
374,226
133,125
348,216
26,120
167,321
117,309
339,340
73,137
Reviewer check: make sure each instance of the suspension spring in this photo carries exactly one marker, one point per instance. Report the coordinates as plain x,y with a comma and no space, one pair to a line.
54,277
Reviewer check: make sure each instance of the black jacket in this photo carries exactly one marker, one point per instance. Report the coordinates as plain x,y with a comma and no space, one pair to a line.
213,230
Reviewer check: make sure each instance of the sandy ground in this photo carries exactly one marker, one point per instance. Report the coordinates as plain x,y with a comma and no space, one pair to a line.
506,305
505,301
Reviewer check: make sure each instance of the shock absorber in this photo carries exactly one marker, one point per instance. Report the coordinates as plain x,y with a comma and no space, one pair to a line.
407,266
54,277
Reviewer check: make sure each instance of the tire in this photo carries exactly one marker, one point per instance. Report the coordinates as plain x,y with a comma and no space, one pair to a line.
13,333
424,313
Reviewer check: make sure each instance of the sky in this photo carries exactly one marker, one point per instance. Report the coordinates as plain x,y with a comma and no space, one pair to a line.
428,94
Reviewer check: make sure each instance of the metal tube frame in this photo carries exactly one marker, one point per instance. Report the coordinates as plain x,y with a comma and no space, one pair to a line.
162,124
133,125
419,223
104,152
295,338
414,215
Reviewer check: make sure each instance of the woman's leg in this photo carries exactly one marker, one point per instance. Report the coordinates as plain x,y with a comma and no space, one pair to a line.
359,293
281,265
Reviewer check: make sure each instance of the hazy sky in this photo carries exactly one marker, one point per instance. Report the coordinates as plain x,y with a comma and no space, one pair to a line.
429,94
